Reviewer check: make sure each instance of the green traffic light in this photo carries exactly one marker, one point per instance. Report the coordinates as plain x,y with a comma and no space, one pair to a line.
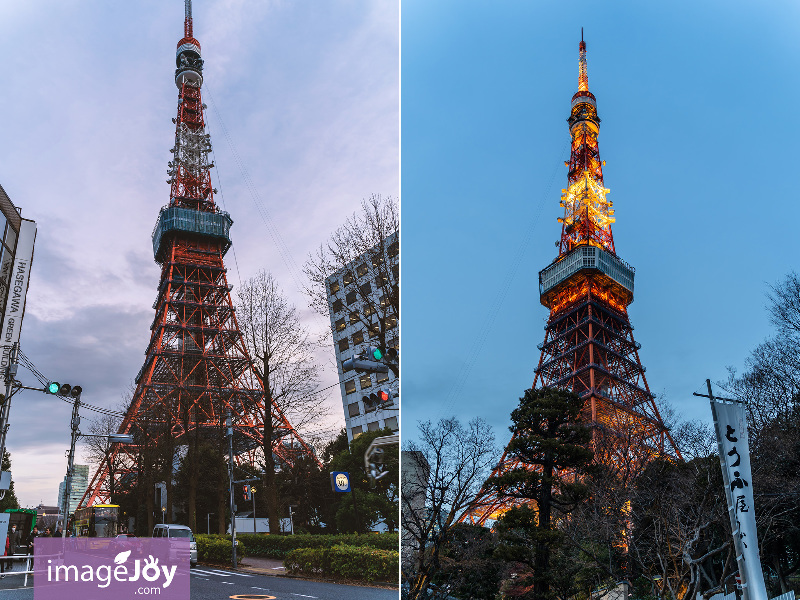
377,354
53,388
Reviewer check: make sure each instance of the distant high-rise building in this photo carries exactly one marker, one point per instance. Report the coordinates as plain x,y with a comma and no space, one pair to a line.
80,481
362,302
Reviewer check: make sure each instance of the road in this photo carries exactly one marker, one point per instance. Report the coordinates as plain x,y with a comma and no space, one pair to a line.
218,584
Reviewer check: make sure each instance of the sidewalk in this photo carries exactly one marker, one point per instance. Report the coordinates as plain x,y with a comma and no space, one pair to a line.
262,566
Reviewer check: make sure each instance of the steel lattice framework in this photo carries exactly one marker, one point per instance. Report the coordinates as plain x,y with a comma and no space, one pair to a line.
197,366
588,346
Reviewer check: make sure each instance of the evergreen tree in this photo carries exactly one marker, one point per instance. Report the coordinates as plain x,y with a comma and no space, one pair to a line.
10,498
551,440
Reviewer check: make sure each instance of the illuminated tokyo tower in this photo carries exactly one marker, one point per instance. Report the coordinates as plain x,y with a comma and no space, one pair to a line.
197,367
588,345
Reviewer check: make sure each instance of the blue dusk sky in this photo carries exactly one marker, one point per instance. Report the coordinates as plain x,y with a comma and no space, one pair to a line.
303,112
696,102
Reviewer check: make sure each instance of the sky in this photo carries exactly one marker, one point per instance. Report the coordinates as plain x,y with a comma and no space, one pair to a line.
303,112
696,103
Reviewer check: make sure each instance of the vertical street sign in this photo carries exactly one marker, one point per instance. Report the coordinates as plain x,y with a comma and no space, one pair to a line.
12,318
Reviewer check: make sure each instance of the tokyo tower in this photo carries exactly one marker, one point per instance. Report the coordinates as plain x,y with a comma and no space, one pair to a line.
588,345
197,366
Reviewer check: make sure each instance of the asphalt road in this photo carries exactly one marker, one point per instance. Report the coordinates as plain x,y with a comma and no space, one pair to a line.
218,584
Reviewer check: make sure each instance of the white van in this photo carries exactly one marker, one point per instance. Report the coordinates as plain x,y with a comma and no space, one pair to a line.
178,531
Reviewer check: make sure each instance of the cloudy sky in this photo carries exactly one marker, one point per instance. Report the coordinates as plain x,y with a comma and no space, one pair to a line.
696,102
303,112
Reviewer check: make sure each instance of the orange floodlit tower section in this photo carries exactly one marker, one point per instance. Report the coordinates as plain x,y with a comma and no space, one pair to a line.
588,346
197,367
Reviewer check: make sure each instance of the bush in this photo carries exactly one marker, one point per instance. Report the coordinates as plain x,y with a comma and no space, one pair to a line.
351,562
217,548
279,546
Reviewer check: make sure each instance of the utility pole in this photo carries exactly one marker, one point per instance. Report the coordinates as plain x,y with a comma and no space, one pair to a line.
76,421
5,409
208,522
229,425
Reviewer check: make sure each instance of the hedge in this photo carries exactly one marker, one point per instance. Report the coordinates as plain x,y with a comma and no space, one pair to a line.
279,546
215,548
351,562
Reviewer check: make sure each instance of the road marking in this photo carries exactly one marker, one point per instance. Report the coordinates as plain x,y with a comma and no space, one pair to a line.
227,582
219,572
258,588
303,595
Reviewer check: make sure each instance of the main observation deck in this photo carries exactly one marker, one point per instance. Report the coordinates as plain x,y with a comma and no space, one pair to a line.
613,270
196,222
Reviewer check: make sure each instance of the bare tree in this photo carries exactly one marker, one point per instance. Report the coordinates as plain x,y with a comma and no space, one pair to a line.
442,474
283,358
359,263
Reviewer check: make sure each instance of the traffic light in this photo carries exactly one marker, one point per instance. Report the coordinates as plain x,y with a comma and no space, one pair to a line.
377,398
246,489
63,389
369,362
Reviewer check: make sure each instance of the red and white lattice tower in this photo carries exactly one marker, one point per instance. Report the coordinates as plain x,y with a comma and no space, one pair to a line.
588,345
197,365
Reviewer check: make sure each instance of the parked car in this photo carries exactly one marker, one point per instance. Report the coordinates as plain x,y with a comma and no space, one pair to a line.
178,531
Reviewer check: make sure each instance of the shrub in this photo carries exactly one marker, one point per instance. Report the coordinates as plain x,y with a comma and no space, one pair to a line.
278,546
351,562
217,548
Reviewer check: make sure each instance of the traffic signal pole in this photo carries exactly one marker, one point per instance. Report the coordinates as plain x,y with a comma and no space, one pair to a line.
76,420
229,424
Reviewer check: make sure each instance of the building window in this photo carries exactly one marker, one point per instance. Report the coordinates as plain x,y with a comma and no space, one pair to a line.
390,423
377,259
340,325
337,305
391,322
343,345
353,410
394,249
369,310
349,387
348,278
361,270
372,426
374,330
334,286
365,289
366,381
358,337
351,297
356,431
383,279
384,301
381,377
354,318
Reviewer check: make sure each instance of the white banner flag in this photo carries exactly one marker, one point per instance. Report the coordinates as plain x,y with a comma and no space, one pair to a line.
734,457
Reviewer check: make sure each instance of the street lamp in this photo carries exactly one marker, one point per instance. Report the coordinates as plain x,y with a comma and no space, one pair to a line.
163,514
208,522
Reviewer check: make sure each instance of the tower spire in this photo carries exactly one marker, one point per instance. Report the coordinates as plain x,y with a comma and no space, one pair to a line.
583,76
187,23
587,212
